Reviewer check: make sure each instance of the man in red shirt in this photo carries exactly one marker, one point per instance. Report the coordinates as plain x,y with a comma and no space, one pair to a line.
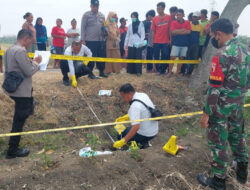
123,31
173,12
160,34
59,36
180,30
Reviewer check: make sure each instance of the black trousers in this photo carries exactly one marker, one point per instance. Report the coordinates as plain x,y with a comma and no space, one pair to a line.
192,54
80,69
41,46
134,53
24,107
150,52
98,49
200,52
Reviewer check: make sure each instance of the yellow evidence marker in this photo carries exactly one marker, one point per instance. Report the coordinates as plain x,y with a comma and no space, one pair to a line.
171,147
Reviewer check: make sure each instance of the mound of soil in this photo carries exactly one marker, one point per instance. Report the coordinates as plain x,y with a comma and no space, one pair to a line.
54,162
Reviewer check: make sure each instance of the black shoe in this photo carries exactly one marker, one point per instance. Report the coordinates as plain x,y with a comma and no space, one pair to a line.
145,145
138,74
214,183
241,169
92,76
17,153
66,82
103,75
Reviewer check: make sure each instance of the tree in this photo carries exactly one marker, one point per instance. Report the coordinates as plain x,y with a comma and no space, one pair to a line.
232,11
244,39
7,40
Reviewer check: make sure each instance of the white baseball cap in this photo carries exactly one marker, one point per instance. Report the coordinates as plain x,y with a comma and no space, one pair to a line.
197,13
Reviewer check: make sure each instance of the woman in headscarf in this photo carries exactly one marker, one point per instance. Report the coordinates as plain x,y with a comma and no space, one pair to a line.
133,44
41,35
29,26
113,44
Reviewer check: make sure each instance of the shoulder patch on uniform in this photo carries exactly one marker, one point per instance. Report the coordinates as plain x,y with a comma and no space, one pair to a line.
86,14
217,77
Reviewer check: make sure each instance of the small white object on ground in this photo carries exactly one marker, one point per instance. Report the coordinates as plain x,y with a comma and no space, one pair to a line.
87,152
105,92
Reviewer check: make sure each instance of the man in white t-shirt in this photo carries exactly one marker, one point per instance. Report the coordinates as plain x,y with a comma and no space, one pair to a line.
142,132
76,68
73,33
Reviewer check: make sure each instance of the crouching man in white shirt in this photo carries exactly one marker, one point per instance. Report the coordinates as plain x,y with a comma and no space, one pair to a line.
142,132
76,68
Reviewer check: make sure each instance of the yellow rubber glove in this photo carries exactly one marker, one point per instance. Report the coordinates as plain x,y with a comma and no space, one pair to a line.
120,128
74,82
123,118
86,63
119,144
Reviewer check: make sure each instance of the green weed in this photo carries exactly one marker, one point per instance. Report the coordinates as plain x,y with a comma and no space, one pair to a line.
183,131
50,142
92,141
134,151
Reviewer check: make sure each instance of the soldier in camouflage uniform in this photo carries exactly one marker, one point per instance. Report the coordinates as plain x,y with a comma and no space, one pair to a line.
223,111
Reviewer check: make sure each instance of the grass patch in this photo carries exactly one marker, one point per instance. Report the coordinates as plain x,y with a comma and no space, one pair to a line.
183,131
1,142
92,141
50,142
3,148
113,132
105,142
134,151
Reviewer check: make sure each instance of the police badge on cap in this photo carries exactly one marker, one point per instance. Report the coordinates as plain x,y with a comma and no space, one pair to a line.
95,2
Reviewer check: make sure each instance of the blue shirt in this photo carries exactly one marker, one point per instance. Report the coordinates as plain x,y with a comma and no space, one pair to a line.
41,34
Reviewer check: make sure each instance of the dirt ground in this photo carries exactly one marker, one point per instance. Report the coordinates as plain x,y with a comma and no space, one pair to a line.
54,162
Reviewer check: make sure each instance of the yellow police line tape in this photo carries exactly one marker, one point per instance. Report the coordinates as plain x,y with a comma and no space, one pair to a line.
115,60
103,124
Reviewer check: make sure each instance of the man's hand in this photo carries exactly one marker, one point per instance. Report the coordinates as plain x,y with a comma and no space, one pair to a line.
119,144
76,34
74,82
170,43
38,59
204,120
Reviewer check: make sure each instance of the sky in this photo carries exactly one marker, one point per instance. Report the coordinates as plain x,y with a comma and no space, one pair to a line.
12,11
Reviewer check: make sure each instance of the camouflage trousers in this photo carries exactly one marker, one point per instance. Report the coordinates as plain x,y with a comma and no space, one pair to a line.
221,133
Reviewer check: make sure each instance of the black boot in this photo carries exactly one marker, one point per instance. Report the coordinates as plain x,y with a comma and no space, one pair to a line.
138,74
92,76
103,75
145,145
242,172
214,183
17,153
66,81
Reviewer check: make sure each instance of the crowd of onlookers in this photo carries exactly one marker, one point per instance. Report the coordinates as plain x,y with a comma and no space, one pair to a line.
160,36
